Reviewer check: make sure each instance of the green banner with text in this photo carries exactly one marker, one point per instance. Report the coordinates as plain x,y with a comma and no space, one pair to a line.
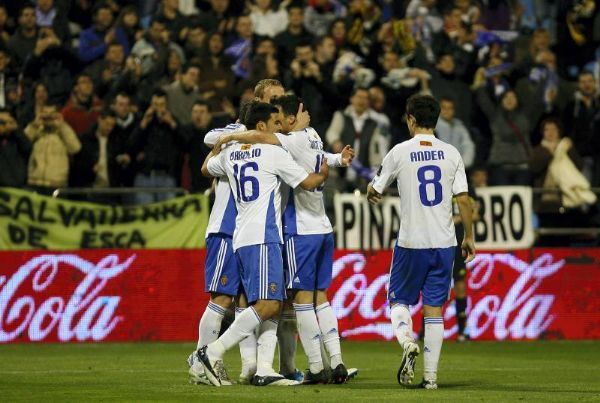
31,221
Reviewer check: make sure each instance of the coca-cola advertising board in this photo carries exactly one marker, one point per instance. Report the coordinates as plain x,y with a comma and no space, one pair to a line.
126,295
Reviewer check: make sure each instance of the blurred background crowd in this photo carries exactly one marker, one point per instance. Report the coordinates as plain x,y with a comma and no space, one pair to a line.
120,93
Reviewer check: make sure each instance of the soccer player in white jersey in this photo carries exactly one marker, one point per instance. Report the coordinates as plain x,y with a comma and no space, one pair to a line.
308,253
222,279
255,174
429,173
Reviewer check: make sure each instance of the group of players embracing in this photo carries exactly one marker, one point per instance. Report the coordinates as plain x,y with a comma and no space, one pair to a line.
269,248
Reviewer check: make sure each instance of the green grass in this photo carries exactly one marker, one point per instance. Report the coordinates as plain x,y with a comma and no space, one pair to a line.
529,371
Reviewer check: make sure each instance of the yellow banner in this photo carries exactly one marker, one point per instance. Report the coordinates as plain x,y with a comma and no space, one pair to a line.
31,221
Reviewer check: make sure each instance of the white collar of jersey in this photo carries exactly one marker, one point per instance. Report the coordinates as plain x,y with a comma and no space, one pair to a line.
424,135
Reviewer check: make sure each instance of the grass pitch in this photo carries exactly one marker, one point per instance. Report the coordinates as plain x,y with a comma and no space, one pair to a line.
476,371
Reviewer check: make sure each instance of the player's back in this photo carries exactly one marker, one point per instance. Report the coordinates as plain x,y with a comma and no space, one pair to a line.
223,214
429,173
254,174
305,210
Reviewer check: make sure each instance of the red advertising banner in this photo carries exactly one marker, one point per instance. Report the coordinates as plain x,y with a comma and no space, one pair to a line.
527,294
120,295
108,295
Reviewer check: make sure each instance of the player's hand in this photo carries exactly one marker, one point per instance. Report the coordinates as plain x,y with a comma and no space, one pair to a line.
347,156
468,249
219,144
302,118
373,196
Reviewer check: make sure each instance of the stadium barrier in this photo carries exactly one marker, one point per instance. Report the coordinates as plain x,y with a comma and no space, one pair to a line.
142,295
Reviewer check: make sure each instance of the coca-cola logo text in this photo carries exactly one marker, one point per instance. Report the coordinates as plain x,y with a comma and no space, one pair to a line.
85,315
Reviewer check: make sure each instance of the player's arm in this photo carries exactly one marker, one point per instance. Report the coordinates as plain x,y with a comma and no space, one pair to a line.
343,159
316,179
385,176
212,168
213,136
246,137
466,215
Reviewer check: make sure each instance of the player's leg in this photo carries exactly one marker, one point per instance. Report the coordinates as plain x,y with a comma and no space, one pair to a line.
407,275
459,274
287,339
221,281
328,323
247,345
301,253
250,260
435,294
271,291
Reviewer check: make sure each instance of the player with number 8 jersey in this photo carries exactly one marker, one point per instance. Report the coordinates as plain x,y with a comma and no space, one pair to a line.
429,173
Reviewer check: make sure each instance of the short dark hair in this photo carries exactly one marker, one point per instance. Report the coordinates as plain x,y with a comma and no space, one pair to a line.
259,112
552,120
289,104
201,102
425,109
159,92
108,112
244,108
447,98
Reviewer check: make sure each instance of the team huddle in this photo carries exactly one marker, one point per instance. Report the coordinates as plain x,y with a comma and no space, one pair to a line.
270,243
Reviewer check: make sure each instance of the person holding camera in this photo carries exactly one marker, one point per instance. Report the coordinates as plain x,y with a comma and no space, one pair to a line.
53,142
14,152
157,146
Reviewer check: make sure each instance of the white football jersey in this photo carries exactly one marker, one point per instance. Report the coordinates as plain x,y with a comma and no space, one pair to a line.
304,212
429,173
255,173
223,213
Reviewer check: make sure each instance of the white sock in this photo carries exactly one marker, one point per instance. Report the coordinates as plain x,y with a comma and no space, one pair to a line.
434,336
310,335
247,350
210,324
286,336
242,327
402,324
329,329
267,341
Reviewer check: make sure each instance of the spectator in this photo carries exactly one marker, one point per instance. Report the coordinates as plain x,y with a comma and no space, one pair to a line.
129,22
241,48
152,50
14,152
5,78
320,14
445,83
363,22
339,33
83,108
126,122
183,93
294,34
53,142
216,80
106,72
196,149
53,64
94,41
47,15
510,149
453,131
556,165
4,28
263,67
175,22
157,145
23,41
267,22
220,18
195,43
33,105
102,156
355,126
578,117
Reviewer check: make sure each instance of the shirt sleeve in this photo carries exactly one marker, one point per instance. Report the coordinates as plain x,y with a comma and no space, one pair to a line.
215,166
334,160
287,169
291,142
211,138
460,179
386,173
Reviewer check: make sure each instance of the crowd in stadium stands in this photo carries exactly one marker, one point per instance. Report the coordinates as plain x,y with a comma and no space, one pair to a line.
120,92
